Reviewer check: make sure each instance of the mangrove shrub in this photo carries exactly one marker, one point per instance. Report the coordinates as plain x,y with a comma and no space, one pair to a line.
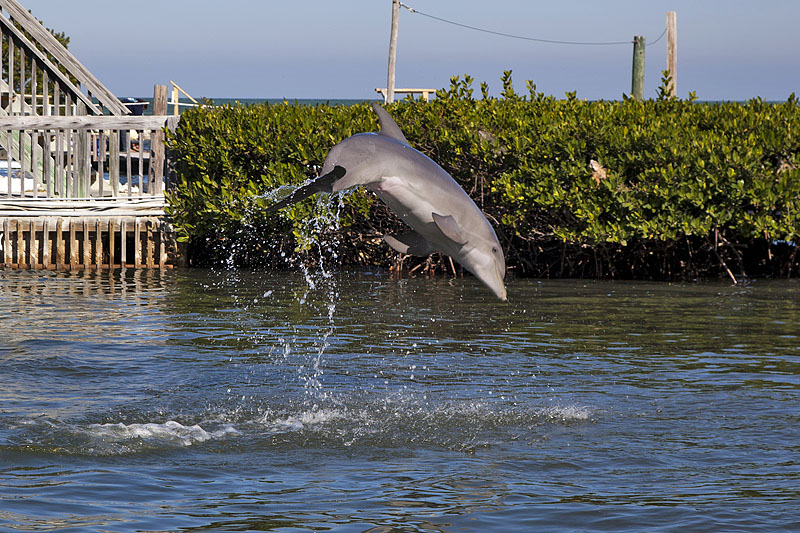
661,188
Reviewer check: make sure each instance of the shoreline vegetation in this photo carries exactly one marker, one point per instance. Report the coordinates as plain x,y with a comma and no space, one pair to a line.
660,189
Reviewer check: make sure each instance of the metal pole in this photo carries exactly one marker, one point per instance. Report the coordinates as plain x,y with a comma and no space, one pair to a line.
637,81
389,96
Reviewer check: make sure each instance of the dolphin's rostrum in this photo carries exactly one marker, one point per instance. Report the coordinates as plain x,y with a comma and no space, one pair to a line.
441,215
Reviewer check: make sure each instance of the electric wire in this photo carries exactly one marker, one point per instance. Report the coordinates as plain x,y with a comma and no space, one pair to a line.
521,37
663,33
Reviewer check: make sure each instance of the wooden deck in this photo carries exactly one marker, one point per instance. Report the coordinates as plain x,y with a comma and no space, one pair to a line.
82,183
87,243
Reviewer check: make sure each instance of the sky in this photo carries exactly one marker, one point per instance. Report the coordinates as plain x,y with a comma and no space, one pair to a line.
336,49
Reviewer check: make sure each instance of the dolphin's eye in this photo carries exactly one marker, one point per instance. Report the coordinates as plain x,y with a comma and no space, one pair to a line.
494,250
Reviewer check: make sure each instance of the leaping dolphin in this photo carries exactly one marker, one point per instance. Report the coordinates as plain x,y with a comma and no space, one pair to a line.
441,215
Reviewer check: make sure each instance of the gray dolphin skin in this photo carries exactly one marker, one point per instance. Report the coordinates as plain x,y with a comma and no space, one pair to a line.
442,217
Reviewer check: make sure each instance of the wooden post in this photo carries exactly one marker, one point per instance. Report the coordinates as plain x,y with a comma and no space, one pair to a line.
123,243
112,229
175,106
82,160
20,245
151,244
46,243
672,51
7,259
73,243
137,242
33,244
113,162
98,243
157,142
637,80
59,244
392,52
87,244
162,243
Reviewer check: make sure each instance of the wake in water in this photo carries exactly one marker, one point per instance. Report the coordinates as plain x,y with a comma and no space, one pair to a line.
383,422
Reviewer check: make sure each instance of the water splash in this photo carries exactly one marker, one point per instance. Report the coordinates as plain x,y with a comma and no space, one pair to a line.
167,432
320,234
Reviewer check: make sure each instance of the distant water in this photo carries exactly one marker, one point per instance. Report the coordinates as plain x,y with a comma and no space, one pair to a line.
251,101
232,401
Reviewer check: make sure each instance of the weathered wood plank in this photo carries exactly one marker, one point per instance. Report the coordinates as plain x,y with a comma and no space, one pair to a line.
87,244
162,243
41,35
46,242
128,161
112,240
98,242
20,245
73,243
33,244
113,162
9,141
123,243
141,162
137,243
10,69
60,185
7,259
101,160
151,242
35,163
157,141
84,122
59,244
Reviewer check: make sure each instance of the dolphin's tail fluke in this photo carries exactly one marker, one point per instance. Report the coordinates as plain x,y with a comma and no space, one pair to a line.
320,184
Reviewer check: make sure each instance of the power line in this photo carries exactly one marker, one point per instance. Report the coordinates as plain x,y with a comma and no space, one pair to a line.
522,37
659,38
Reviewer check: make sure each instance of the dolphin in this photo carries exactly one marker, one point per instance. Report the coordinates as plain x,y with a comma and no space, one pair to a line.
442,217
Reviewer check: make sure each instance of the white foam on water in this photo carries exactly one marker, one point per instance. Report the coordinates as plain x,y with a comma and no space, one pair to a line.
392,420
170,431
569,413
310,419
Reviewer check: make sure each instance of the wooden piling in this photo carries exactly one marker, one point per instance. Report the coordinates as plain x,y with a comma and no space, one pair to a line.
7,243
76,243
60,248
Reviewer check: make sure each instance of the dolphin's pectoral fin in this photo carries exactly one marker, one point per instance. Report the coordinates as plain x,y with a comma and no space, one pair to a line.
448,225
411,243
389,127
321,184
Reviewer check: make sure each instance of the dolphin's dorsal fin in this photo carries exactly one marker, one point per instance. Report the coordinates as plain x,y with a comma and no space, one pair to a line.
448,225
389,127
411,243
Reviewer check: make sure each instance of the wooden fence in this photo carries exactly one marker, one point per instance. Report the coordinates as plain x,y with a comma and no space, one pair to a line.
85,192
82,181
60,157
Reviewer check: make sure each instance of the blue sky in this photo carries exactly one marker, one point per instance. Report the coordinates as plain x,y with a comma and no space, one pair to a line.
727,50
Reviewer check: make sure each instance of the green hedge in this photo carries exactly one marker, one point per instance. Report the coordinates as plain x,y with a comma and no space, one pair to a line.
682,188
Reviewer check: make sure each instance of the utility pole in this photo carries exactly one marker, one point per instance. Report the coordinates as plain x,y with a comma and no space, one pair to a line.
672,51
637,79
389,96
